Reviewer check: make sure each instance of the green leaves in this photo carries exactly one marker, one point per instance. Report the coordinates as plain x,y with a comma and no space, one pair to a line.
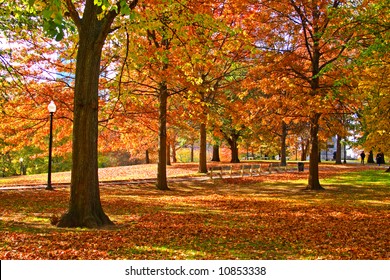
125,9
54,28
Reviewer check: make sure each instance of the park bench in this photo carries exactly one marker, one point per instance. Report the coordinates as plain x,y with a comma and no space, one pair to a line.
290,167
221,170
246,169
274,166
254,169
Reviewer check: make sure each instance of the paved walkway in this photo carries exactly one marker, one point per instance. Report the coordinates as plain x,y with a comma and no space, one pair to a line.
107,183
146,174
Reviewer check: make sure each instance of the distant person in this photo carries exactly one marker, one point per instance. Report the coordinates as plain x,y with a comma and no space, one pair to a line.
379,158
362,157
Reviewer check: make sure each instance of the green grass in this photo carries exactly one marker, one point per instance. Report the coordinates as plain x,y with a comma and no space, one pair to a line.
364,178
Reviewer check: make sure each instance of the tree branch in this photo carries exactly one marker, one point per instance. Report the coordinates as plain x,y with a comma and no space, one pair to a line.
72,12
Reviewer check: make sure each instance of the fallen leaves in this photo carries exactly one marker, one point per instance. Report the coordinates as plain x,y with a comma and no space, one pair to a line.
222,219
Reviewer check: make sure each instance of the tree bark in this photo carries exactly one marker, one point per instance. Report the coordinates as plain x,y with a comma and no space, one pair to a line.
216,156
85,208
203,151
304,147
232,137
192,152
283,159
169,153
338,150
173,148
370,157
234,148
162,183
147,158
314,182
235,157
345,152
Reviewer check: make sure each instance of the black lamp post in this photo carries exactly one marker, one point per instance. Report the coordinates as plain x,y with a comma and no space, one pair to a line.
52,108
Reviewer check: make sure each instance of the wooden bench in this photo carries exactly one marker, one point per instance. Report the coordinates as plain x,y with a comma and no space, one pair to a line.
254,169
290,167
246,169
274,166
221,170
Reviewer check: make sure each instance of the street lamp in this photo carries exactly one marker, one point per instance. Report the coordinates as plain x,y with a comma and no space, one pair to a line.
52,108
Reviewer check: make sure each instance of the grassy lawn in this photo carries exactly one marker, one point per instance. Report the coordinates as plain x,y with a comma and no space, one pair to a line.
249,218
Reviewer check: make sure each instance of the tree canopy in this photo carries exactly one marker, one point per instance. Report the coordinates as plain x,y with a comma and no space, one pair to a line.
135,75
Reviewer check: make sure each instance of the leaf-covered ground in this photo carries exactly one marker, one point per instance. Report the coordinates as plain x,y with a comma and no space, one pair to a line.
144,171
267,217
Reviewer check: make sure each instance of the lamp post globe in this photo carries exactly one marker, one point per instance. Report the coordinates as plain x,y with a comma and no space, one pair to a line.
52,109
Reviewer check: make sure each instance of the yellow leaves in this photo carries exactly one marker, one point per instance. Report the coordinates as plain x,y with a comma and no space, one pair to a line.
195,80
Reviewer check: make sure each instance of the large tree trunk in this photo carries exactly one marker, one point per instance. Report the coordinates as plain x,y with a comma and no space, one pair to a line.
234,148
235,158
203,151
232,137
162,183
216,156
314,182
85,209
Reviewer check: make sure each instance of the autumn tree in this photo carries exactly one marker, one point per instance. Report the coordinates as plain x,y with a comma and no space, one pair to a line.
93,21
371,73
278,114
313,38
154,66
230,116
217,63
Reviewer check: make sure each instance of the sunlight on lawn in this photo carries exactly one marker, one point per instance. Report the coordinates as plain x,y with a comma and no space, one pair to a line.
161,252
